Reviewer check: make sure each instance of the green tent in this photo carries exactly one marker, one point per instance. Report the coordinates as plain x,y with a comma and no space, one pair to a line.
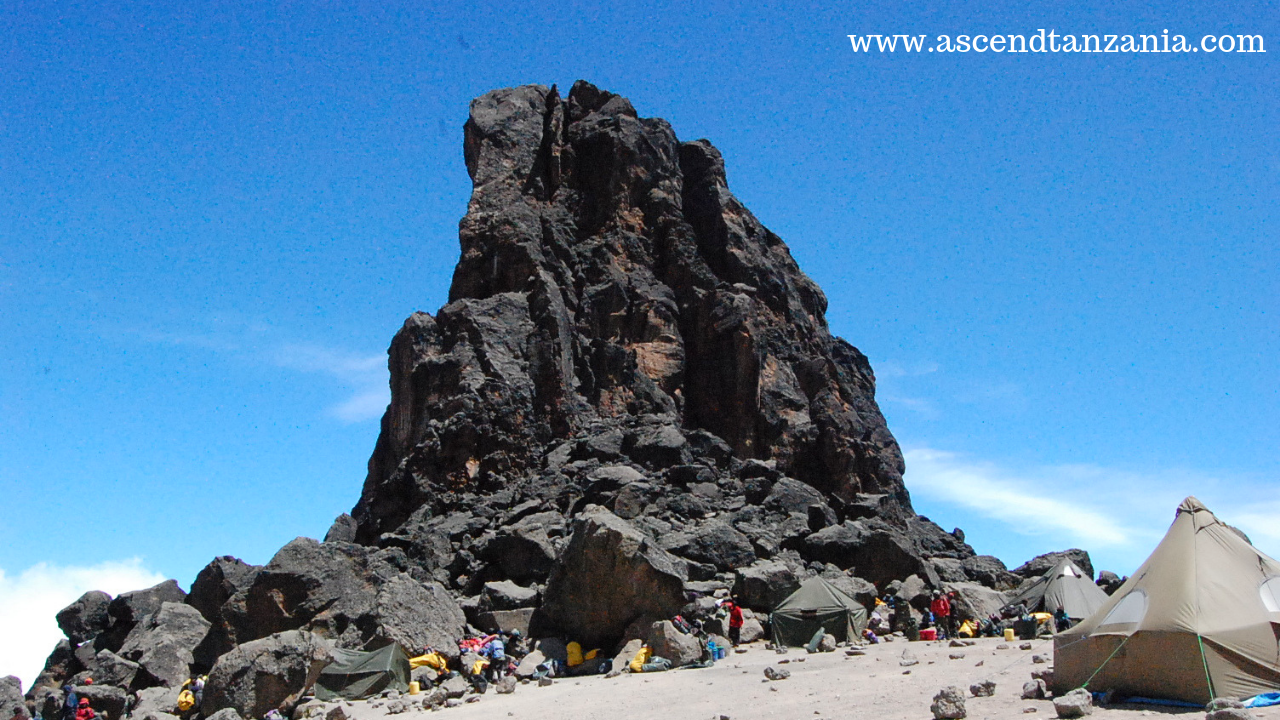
817,605
1064,587
354,674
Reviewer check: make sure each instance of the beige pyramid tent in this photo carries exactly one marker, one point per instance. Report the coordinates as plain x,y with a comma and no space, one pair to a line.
1200,619
1065,586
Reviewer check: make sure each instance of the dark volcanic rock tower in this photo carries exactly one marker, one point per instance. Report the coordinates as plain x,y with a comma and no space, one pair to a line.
614,300
615,305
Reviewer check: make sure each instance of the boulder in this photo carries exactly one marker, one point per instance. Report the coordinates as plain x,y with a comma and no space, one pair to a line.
764,584
105,698
976,601
869,549
343,529
265,674
347,593
1074,704
505,685
622,660
1109,582
1034,690
522,552
668,642
225,714
989,571
131,608
163,643
1040,564
505,620
715,543
752,630
61,664
773,673
217,582
984,688
948,704
111,669
455,686
609,575
506,595
155,701
83,619
11,694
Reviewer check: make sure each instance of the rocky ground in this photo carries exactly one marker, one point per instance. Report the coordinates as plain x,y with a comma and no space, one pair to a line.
825,685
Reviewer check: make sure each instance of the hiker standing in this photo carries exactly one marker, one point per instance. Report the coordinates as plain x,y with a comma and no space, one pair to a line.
735,623
69,703
953,614
19,713
941,609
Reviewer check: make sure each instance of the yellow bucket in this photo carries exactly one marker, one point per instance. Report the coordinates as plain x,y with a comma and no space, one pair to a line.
414,688
1008,634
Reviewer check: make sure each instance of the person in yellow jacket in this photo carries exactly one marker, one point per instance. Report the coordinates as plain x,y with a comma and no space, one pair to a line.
640,658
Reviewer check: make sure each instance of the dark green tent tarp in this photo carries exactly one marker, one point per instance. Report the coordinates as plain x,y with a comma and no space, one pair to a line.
1065,586
354,674
817,604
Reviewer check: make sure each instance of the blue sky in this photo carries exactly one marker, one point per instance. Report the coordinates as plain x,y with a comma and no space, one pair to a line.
213,219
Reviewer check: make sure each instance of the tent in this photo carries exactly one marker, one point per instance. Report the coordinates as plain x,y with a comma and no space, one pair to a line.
817,604
1200,619
1064,586
354,674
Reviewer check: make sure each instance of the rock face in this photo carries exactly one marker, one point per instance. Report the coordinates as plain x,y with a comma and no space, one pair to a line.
262,675
614,301
163,643
1041,564
83,619
609,576
348,593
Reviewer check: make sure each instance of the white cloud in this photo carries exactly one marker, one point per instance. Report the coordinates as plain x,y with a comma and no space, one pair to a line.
30,599
1122,512
1029,504
364,376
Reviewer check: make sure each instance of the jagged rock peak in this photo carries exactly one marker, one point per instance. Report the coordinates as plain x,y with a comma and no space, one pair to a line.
615,303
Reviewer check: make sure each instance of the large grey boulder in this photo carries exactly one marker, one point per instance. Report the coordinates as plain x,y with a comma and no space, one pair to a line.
1040,564
350,594
112,669
129,609
609,576
155,701
764,583
164,643
506,595
869,549
223,577
948,704
668,642
83,619
10,695
104,698
265,674
1074,704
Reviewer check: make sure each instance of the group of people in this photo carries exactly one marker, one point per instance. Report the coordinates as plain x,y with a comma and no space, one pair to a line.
942,614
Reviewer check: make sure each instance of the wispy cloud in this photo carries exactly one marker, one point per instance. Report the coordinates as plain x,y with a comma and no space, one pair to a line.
360,377
895,369
30,599
363,376
1121,511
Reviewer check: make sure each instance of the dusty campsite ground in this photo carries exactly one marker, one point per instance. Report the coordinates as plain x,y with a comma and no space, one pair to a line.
826,685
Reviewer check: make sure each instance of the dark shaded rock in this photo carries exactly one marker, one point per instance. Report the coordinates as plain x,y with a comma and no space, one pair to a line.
265,674
111,669
343,529
350,594
1040,564
764,584
104,698
129,609
613,299
217,582
934,542
869,550
83,619
990,571
522,553
1110,582
715,543
163,643
59,667
609,576
504,620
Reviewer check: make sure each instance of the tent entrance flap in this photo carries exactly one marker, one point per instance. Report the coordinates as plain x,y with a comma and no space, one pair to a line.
354,674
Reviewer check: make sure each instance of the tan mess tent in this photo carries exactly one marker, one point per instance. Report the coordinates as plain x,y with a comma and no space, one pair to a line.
1200,619
1065,586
